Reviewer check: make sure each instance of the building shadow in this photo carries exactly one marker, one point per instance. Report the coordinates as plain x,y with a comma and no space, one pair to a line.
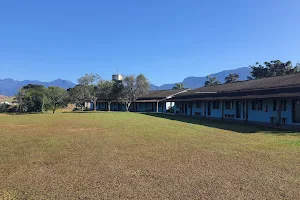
236,126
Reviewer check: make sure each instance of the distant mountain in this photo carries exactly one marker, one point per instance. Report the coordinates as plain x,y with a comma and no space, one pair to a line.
196,82
10,87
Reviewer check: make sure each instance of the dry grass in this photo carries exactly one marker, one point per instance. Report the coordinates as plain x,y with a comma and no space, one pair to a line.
135,156
6,99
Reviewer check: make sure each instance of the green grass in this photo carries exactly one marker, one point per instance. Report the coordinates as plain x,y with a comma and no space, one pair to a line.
134,156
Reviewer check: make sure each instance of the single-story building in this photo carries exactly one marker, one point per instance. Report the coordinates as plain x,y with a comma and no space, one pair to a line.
267,100
153,101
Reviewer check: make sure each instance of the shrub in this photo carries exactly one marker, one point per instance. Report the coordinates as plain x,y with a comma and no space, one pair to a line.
3,107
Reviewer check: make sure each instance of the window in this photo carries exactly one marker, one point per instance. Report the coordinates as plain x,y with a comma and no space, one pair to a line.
189,104
274,105
216,105
257,105
177,104
198,104
228,105
283,105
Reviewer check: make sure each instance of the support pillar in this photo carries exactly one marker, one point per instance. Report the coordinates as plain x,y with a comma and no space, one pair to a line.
222,106
157,107
279,106
247,107
205,108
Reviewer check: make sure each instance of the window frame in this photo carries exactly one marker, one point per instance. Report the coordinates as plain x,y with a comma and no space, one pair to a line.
257,105
283,104
198,104
229,105
216,105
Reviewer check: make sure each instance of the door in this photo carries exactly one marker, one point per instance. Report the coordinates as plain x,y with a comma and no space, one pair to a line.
208,108
296,111
238,109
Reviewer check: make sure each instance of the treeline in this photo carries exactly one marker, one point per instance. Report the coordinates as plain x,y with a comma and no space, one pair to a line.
37,98
268,69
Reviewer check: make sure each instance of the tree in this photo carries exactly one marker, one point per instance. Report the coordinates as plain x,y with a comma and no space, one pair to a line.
134,87
89,79
211,81
79,95
31,98
273,68
90,82
232,78
110,91
57,98
178,86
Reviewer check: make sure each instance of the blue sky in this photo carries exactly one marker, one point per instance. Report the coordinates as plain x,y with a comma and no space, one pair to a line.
167,40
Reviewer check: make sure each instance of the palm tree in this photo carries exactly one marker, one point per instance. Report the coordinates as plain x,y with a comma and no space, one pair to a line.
211,81
232,78
178,86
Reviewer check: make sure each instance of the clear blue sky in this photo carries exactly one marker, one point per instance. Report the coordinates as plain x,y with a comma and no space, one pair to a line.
167,40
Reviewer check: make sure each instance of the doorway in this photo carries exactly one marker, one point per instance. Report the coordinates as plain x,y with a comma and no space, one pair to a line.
238,109
208,108
296,111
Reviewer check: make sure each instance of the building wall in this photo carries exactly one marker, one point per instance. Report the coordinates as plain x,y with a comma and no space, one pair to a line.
215,113
200,110
263,115
267,112
233,110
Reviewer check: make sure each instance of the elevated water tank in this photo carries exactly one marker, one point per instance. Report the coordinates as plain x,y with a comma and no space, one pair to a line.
117,77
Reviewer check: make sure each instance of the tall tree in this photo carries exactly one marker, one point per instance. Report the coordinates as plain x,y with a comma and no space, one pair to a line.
211,81
232,78
89,79
110,91
134,87
178,86
57,98
273,68
90,82
79,95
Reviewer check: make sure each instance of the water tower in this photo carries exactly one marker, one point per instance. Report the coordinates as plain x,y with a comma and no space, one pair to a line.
117,77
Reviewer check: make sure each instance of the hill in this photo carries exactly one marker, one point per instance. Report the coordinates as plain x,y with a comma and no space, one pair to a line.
10,87
196,82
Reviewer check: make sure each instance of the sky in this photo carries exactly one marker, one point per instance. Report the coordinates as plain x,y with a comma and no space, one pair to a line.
166,40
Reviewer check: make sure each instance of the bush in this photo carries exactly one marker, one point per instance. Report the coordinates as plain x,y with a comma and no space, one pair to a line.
12,109
3,107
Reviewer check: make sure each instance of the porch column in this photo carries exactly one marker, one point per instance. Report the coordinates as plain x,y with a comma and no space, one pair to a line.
157,106
222,104
278,118
246,107
205,108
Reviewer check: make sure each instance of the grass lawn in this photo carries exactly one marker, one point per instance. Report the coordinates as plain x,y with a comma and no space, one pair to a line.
136,156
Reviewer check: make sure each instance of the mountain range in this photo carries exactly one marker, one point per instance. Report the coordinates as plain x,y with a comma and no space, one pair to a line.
196,82
10,87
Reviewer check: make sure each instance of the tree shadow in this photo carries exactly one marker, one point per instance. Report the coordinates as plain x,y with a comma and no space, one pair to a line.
236,126
90,112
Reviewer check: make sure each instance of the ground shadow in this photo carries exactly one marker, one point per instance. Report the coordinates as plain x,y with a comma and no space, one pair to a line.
89,112
235,126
